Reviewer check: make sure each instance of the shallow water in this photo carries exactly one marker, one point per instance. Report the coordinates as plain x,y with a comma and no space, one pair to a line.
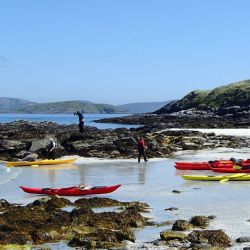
151,182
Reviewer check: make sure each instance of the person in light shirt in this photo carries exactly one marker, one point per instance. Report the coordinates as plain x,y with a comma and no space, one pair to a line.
52,149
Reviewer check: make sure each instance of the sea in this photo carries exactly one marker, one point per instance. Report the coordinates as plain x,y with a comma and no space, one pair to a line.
152,182
66,119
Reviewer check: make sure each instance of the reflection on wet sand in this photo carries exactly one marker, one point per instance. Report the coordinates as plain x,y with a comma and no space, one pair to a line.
52,176
142,173
56,167
82,175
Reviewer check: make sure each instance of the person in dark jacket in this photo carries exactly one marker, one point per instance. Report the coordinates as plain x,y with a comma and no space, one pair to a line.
141,149
81,121
52,149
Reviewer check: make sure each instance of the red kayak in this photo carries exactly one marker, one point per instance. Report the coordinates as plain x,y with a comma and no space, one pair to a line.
230,170
71,191
210,164
192,165
228,163
222,164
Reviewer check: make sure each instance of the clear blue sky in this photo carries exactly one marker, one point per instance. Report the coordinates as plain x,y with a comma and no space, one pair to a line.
121,51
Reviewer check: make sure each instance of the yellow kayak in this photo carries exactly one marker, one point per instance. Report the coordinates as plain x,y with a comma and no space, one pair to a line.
39,162
233,177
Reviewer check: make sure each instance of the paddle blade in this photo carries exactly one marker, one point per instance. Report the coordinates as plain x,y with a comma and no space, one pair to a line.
224,180
229,177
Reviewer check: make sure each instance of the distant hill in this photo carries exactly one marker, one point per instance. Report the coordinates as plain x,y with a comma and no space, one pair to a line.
234,94
143,107
7,105
15,105
71,107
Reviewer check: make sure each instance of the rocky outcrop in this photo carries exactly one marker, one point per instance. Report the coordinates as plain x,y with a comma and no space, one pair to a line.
28,139
223,107
197,239
222,100
44,221
190,118
215,238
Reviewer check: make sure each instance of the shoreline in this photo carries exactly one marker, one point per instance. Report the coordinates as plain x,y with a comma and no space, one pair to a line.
98,163
110,143
117,169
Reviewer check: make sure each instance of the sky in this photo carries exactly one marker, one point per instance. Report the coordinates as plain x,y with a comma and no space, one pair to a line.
121,51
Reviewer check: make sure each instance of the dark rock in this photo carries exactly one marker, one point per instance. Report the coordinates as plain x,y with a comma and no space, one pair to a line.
4,205
176,191
82,241
43,221
15,237
51,202
200,221
30,157
243,239
171,209
181,225
106,238
107,202
170,235
216,238
202,246
211,217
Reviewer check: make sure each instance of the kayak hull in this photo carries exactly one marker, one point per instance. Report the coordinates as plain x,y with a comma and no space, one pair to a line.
192,166
71,191
39,162
216,177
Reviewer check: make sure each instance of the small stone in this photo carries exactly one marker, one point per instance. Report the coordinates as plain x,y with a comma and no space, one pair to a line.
243,239
171,209
176,191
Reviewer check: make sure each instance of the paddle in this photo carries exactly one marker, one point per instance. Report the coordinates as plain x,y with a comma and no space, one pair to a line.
35,165
229,177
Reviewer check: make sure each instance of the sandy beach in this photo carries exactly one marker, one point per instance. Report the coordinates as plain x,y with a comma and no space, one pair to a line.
151,182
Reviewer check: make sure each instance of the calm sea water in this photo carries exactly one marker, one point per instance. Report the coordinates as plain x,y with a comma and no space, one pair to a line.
66,119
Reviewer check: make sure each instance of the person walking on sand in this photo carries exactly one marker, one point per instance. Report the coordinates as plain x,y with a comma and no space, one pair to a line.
141,149
81,121
52,149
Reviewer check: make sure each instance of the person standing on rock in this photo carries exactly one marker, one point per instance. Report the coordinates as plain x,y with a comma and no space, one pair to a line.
141,149
52,149
81,121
